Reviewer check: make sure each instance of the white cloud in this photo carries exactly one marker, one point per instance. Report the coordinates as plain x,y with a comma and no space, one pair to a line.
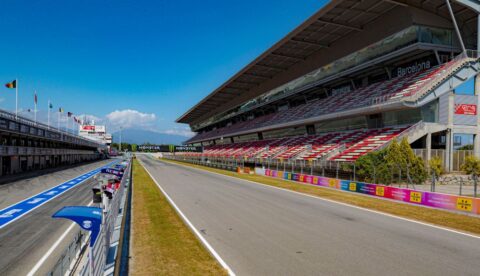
89,118
129,118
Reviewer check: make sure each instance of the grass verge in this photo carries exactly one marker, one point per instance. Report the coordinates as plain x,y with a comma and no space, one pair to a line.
161,243
434,216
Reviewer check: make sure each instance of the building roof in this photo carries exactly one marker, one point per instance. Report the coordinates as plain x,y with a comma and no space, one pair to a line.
336,20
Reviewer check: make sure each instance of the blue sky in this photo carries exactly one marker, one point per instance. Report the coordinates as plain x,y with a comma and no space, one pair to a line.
135,63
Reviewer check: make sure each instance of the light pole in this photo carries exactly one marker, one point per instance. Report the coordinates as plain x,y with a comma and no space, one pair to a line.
120,145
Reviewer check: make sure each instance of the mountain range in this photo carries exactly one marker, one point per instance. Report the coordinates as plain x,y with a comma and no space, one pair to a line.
140,136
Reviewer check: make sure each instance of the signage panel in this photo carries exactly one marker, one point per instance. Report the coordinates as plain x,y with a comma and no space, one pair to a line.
466,109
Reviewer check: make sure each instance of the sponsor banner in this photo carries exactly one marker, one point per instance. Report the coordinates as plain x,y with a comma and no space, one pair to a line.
466,109
88,128
24,207
424,198
169,148
259,171
112,171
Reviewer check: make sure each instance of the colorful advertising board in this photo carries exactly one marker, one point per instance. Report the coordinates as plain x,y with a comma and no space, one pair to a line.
424,198
169,148
466,109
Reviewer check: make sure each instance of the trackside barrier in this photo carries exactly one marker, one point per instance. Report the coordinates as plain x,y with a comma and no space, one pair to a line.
73,262
430,199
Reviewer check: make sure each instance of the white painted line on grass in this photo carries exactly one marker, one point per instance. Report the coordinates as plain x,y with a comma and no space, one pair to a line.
340,203
197,233
49,252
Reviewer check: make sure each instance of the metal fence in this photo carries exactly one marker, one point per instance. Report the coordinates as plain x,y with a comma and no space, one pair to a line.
66,262
458,157
101,248
348,171
73,261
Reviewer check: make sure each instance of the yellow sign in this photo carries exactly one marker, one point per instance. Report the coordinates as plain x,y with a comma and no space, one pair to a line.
464,204
301,178
332,183
380,191
315,180
280,174
416,197
353,186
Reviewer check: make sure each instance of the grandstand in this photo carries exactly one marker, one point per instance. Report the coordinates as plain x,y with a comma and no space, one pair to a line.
28,146
347,81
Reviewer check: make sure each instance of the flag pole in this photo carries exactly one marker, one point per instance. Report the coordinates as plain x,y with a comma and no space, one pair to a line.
48,116
16,99
58,120
35,109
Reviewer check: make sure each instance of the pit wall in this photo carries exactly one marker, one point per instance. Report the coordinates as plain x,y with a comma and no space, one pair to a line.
436,200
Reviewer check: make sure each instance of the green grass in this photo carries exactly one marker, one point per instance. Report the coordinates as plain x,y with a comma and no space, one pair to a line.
434,216
161,243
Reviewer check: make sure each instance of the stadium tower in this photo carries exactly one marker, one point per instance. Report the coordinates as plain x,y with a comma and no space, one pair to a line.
347,81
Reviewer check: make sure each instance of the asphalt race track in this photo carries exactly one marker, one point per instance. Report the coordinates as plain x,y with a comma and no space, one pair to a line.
260,230
24,241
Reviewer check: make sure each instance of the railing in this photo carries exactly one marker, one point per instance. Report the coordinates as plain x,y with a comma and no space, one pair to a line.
14,150
455,64
20,119
101,248
424,88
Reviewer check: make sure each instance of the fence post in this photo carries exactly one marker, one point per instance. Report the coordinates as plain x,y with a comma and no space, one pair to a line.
374,175
475,177
432,187
337,170
354,173
461,185
323,168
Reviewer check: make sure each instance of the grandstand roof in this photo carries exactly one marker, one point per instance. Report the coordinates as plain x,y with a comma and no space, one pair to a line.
336,20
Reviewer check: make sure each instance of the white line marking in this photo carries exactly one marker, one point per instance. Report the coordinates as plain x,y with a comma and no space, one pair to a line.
43,203
337,202
52,248
197,233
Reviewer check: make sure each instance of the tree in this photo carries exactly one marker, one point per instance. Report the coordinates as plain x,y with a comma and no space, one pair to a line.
397,162
372,167
466,147
472,167
435,164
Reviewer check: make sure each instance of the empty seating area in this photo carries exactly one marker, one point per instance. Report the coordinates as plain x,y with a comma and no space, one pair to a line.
334,146
394,89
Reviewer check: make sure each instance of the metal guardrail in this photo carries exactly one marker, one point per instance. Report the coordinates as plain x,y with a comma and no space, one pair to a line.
455,64
13,150
64,135
101,247
70,262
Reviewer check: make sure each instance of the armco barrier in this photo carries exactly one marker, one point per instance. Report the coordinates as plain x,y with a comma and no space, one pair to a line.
430,199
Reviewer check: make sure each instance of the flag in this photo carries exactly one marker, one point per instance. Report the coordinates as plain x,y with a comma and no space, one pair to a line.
12,84
69,114
60,110
29,110
35,98
50,105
